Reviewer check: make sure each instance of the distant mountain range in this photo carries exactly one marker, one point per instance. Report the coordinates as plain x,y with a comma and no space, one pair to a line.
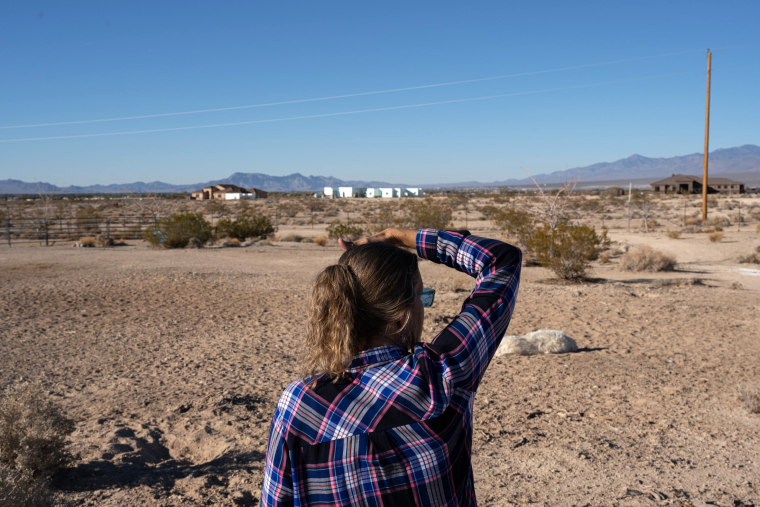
741,163
742,159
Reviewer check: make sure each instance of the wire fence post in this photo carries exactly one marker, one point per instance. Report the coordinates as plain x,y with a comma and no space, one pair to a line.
630,190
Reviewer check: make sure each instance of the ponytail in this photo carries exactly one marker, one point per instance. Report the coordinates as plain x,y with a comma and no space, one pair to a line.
332,324
362,298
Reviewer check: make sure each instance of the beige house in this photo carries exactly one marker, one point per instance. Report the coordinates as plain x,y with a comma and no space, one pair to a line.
226,192
686,184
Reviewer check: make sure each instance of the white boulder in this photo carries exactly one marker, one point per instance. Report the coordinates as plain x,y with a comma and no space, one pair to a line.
543,341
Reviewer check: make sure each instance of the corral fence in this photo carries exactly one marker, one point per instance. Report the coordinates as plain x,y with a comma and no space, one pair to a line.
48,231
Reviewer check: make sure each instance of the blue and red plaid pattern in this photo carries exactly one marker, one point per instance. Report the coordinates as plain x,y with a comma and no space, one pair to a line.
397,428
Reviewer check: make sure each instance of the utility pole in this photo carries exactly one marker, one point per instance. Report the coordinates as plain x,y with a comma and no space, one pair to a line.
707,139
630,191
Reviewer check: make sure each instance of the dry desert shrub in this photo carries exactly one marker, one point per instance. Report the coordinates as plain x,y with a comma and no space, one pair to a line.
716,237
644,258
102,241
177,230
519,223
231,242
320,240
425,212
749,395
32,445
674,234
347,231
248,225
568,249
753,258
87,242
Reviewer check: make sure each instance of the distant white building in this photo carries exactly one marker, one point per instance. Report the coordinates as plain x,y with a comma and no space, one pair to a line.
227,192
344,192
384,192
233,196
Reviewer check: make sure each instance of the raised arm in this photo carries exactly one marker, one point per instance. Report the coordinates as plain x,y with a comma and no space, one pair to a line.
394,235
463,350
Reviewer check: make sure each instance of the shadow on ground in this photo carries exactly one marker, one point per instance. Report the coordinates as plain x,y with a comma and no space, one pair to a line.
100,474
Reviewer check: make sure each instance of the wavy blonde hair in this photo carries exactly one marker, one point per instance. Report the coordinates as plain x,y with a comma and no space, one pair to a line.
360,299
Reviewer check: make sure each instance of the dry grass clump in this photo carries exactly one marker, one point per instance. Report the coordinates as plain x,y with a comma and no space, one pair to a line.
32,445
231,242
715,237
644,258
605,258
674,234
753,258
749,395
293,238
102,241
320,240
86,242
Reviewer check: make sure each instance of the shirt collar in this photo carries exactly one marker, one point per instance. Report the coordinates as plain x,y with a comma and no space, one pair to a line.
377,355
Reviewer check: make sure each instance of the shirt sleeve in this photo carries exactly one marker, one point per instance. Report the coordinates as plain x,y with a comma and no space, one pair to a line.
277,488
461,352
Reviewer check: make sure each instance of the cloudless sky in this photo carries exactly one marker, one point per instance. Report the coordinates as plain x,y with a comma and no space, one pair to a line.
573,83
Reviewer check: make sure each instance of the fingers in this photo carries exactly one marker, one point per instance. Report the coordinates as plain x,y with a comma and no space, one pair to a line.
394,236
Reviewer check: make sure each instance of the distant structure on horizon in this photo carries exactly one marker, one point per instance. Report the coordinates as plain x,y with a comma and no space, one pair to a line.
687,184
382,192
227,192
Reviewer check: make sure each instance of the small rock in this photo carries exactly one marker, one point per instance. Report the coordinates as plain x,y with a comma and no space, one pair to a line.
181,409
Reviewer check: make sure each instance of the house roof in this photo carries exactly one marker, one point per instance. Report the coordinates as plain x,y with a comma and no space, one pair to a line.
677,178
722,181
223,187
228,187
685,178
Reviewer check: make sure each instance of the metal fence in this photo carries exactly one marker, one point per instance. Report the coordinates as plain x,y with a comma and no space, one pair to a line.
48,231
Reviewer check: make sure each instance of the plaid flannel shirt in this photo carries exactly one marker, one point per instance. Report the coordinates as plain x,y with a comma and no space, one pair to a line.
397,428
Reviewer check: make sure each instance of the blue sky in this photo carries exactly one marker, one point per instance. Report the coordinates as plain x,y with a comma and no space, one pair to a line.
520,87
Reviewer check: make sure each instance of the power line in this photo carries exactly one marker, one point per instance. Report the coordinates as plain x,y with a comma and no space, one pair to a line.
344,113
348,95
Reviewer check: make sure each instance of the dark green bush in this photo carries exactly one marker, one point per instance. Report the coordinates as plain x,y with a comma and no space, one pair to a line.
346,231
567,249
177,230
246,226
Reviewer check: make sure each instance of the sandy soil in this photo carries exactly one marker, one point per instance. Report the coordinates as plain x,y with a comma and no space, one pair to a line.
171,362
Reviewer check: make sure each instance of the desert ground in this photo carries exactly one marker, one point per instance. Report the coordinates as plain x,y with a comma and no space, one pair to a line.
170,362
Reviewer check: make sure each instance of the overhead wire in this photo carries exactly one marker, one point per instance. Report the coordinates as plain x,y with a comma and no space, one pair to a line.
345,113
349,95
